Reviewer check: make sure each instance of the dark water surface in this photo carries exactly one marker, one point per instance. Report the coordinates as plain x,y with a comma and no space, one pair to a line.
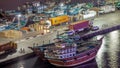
108,56
109,53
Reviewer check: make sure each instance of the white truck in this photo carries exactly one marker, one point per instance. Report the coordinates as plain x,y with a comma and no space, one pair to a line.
107,9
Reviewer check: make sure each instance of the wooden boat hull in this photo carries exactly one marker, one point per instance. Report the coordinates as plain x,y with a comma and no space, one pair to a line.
77,60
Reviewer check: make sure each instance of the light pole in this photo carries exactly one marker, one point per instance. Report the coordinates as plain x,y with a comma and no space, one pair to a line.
98,3
18,16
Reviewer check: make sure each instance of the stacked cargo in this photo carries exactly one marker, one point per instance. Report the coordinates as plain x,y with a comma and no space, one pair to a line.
71,18
40,27
46,30
11,34
36,27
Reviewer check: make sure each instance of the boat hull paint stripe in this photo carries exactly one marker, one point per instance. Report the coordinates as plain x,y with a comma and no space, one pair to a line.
73,64
76,62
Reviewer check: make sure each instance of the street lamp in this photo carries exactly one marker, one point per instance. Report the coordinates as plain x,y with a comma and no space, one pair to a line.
18,16
98,3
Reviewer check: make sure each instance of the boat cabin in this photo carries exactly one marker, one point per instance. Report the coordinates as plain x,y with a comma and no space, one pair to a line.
61,51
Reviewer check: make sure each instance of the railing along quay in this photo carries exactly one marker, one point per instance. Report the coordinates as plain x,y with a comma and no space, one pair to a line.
101,32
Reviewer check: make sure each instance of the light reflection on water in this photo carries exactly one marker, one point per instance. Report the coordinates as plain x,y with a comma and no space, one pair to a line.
114,42
108,54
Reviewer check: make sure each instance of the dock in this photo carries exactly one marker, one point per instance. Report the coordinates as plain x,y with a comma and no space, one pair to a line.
47,38
28,41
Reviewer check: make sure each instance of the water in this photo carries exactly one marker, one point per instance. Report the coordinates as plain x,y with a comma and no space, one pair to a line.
107,56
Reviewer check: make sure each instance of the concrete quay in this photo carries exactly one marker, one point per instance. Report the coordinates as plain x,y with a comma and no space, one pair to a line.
24,43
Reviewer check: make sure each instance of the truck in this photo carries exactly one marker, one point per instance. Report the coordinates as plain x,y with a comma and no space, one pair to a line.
79,26
107,8
59,20
8,47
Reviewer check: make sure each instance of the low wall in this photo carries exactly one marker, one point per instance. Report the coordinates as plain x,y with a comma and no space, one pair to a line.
100,32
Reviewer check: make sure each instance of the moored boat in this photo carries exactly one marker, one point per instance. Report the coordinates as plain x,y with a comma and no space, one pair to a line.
68,54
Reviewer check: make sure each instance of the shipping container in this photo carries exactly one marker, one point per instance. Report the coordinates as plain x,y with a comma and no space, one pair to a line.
59,20
80,25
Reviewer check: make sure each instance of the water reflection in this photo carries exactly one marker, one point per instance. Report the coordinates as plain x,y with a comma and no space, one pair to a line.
114,45
100,54
107,56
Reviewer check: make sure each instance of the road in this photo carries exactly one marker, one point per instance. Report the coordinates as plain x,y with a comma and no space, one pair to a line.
107,20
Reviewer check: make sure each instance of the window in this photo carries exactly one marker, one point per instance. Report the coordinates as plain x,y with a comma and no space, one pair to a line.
61,57
65,56
68,50
70,55
65,51
71,49
74,54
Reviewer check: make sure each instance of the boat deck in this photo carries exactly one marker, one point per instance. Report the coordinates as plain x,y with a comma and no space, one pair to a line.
86,46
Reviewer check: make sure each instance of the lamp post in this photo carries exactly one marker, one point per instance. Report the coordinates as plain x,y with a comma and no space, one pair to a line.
98,3
18,16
